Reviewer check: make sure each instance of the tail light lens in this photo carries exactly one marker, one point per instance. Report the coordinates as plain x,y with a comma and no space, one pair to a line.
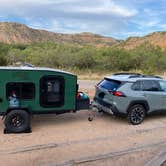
117,93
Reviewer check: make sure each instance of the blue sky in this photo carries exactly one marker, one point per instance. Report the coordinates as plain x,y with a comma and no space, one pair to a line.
115,18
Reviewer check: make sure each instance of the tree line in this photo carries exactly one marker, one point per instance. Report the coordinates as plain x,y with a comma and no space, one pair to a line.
146,57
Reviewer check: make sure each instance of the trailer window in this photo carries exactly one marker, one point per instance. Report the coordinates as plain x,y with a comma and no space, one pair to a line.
52,91
21,90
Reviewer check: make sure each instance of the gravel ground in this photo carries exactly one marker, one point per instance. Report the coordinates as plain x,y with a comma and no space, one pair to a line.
70,139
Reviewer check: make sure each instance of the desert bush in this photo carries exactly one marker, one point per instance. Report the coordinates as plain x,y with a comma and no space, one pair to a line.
146,57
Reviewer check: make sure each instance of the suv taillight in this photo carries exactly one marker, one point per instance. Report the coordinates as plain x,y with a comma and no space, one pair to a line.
118,93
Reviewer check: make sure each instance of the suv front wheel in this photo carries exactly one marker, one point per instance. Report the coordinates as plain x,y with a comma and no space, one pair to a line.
136,114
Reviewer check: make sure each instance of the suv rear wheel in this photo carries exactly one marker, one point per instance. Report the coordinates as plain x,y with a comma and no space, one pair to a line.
136,114
17,121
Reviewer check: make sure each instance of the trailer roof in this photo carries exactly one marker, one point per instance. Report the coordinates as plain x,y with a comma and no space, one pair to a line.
33,69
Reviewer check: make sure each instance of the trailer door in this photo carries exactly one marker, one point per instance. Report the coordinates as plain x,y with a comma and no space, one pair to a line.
52,91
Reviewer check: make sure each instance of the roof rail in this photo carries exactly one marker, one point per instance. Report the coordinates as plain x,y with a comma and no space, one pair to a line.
135,76
150,76
145,76
138,74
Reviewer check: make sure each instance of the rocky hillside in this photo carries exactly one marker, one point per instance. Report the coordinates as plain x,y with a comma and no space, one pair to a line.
19,33
156,38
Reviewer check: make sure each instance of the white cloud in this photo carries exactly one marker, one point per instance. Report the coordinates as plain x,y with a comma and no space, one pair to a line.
152,23
107,17
107,7
100,16
163,27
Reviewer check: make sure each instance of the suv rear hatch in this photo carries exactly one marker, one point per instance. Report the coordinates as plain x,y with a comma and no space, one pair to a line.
107,89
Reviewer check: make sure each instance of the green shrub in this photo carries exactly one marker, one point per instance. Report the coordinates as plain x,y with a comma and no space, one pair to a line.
146,57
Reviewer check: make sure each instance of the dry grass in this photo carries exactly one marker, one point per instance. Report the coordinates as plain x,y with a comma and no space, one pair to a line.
99,76
91,76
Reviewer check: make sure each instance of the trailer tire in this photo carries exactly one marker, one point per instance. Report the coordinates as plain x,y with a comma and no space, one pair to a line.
17,121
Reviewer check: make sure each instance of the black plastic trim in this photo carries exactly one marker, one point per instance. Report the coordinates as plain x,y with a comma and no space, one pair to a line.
108,105
57,112
101,102
143,102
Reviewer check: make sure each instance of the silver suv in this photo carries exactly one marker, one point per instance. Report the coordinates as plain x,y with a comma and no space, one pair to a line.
131,94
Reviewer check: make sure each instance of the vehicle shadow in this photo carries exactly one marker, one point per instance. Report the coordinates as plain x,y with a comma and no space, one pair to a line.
149,117
75,118
109,117
82,117
156,115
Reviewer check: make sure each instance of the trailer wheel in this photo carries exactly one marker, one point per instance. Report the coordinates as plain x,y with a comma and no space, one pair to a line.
17,121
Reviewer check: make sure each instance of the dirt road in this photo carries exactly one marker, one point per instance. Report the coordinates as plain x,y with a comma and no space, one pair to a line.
70,139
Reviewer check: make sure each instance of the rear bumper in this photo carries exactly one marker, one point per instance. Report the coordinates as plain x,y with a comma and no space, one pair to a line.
106,107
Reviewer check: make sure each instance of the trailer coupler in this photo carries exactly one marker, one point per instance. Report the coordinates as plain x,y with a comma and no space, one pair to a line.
91,112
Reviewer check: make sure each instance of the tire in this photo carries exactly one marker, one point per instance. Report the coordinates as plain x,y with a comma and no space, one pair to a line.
136,114
17,121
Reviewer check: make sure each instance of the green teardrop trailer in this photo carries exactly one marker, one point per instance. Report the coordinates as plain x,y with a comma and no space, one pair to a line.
25,91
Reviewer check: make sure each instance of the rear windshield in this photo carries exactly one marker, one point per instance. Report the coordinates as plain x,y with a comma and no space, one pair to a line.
112,85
